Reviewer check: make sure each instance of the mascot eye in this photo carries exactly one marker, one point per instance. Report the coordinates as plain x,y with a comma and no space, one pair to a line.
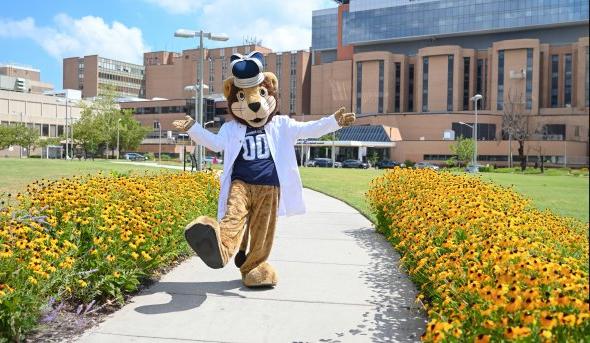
263,91
241,96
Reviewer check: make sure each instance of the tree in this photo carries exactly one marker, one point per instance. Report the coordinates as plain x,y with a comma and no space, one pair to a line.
131,133
97,127
6,136
88,131
20,135
464,149
515,123
26,137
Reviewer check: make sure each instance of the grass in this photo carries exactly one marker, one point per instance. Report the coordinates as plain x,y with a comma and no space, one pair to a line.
565,195
348,185
15,174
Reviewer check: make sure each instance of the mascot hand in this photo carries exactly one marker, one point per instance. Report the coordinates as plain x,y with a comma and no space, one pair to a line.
344,119
183,125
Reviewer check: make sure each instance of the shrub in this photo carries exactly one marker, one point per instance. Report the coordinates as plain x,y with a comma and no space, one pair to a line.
489,266
91,238
409,164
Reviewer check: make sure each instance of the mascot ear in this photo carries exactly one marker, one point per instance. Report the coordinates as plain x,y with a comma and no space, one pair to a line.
272,79
227,85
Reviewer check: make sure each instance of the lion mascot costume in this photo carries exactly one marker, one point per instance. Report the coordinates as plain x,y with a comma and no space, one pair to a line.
260,178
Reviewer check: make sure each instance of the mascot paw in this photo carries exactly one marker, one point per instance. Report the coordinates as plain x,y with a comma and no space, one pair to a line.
344,119
263,276
183,125
202,234
240,258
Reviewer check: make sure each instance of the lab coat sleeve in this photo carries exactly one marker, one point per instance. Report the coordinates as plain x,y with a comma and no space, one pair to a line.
314,128
212,141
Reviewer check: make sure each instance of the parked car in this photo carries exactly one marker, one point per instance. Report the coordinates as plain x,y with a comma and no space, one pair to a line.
355,164
337,164
133,156
426,165
322,162
310,163
211,159
387,164
471,168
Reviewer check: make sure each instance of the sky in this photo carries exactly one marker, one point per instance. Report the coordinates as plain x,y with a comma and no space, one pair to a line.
41,33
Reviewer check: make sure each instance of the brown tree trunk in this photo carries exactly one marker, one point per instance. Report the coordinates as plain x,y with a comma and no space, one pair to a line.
521,155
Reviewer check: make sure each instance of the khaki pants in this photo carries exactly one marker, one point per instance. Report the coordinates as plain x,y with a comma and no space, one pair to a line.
257,205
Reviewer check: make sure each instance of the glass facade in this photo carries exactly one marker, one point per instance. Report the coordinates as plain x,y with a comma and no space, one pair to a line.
554,79
450,70
359,86
381,82
324,28
500,99
466,65
485,132
425,84
373,20
529,79
397,79
567,87
126,78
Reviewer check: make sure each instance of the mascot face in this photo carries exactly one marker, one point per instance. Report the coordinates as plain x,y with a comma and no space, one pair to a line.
253,106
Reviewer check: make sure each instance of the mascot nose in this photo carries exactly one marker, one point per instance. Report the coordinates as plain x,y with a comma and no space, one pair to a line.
255,106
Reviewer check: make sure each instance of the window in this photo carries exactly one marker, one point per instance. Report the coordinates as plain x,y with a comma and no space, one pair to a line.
411,89
500,100
359,85
450,67
554,132
60,130
381,79
480,81
211,75
45,130
293,83
485,132
567,98
466,65
554,79
279,67
425,84
529,79
52,130
398,70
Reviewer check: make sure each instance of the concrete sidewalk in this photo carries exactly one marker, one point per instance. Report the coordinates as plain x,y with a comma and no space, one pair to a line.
339,281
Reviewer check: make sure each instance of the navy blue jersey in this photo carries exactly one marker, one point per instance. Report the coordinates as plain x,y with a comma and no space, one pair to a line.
254,164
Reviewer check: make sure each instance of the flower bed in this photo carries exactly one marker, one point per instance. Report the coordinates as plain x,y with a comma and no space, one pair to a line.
91,238
489,266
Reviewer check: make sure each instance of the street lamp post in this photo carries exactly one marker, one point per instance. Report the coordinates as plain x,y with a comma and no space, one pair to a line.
183,33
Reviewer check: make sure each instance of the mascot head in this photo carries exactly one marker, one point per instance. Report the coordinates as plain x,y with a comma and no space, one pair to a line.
251,93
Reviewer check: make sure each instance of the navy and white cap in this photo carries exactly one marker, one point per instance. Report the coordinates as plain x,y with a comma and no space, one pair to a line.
247,70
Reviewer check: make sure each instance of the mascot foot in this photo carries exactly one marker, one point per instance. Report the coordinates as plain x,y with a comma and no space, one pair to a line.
240,258
263,276
202,235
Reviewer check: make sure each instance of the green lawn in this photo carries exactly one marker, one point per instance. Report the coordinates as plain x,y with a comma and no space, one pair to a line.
566,195
15,174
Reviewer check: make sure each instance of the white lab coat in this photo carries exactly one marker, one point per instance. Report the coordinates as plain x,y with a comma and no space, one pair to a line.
282,133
